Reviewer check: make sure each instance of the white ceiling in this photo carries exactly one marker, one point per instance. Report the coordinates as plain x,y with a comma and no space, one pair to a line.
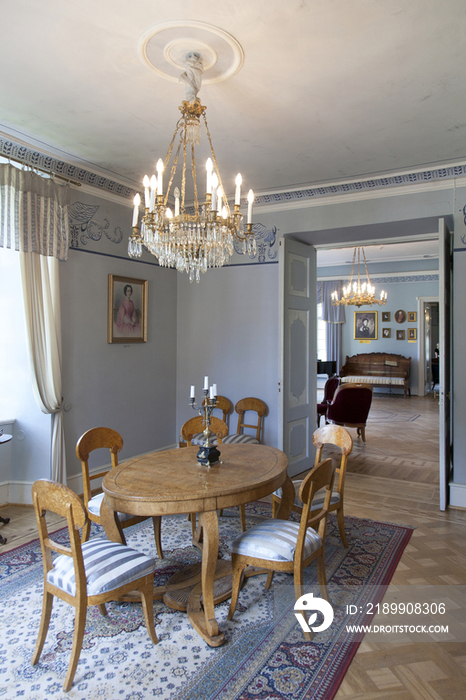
381,253
329,89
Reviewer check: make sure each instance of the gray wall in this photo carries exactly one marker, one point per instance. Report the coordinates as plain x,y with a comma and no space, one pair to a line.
228,330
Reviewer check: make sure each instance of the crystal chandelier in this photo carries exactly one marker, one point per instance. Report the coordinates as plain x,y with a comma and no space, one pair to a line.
201,236
355,293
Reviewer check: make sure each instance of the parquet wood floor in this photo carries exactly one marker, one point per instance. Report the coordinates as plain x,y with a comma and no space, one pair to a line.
393,478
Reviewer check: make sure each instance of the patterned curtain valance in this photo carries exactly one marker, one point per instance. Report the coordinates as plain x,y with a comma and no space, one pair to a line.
33,213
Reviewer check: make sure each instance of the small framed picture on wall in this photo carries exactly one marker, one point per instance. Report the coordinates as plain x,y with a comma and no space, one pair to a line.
385,316
412,333
386,332
127,310
365,325
412,316
400,335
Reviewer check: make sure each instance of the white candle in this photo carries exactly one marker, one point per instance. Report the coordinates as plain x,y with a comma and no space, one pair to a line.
146,183
160,178
238,182
206,382
153,188
209,167
136,202
177,201
211,396
215,389
250,201
193,391
219,199
214,190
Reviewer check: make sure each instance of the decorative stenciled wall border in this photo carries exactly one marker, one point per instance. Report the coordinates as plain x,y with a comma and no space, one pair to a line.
35,158
401,279
8,149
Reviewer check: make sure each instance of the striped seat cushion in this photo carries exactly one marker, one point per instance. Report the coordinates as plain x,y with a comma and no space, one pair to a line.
94,507
319,498
373,380
198,439
275,540
240,440
108,565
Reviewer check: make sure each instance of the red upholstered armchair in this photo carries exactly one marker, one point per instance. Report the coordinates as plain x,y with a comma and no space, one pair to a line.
350,407
330,388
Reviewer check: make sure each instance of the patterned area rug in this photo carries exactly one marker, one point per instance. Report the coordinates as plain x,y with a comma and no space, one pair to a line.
265,656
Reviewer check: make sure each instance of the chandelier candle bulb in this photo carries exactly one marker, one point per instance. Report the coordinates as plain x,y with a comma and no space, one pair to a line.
211,392
193,391
206,383
160,176
209,167
177,201
214,182
250,202
146,183
238,182
136,202
153,187
219,199
215,390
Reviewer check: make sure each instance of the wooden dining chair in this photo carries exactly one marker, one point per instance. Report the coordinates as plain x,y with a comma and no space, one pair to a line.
197,438
85,573
331,435
91,440
248,406
285,545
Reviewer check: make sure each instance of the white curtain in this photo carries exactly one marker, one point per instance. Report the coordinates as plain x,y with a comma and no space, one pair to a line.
34,220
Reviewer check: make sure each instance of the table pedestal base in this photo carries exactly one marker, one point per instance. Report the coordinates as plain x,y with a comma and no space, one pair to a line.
184,593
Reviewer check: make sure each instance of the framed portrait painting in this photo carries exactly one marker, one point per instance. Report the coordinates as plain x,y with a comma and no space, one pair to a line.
400,335
385,316
127,310
386,332
365,325
400,316
412,316
412,333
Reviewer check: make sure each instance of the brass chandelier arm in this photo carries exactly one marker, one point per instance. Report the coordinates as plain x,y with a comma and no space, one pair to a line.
357,294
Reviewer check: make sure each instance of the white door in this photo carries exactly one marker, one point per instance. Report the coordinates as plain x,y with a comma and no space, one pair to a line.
445,272
298,353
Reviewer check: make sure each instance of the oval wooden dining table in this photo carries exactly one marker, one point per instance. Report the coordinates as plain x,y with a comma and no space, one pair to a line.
171,482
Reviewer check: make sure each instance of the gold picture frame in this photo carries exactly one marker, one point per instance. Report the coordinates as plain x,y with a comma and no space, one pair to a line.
365,325
412,333
386,316
400,316
400,335
412,316
127,310
386,332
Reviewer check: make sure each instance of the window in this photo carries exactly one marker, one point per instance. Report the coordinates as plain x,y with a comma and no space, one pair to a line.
321,335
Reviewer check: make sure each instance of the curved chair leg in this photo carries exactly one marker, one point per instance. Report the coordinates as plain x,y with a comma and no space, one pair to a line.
78,636
268,583
157,521
103,609
147,599
363,434
275,506
44,626
341,526
242,515
235,586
